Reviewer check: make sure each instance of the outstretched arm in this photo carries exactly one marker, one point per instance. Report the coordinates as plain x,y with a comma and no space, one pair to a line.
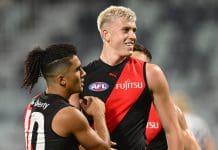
158,84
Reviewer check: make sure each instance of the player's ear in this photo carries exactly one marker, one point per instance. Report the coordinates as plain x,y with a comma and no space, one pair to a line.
105,35
61,80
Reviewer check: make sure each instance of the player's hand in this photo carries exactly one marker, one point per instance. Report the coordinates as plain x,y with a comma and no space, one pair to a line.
93,106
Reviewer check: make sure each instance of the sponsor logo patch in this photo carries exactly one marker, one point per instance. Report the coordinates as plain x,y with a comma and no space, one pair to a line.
128,84
98,86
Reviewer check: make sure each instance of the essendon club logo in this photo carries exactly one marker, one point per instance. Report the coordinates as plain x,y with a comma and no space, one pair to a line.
98,86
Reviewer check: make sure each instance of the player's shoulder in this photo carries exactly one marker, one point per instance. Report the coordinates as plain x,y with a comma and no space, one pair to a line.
70,114
153,69
70,119
92,65
155,77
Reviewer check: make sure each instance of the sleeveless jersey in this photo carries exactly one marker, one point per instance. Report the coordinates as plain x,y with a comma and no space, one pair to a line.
123,88
37,124
155,135
154,125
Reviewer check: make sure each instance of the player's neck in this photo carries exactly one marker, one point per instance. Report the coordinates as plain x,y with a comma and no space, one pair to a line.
110,57
112,60
58,91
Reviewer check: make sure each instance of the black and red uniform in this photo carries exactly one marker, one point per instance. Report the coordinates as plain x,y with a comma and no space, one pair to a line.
155,135
37,124
127,98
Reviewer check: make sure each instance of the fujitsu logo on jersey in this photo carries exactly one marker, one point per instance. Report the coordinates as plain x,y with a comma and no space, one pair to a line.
129,85
152,125
98,86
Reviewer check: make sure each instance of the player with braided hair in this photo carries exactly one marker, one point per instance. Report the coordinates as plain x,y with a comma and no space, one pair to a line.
50,122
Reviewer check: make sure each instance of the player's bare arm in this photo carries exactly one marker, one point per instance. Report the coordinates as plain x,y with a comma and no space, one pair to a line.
70,121
190,143
164,106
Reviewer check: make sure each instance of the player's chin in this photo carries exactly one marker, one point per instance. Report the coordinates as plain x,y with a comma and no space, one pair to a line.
130,51
130,48
79,90
128,54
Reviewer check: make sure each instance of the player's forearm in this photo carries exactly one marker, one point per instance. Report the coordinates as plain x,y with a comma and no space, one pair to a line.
101,128
190,141
174,141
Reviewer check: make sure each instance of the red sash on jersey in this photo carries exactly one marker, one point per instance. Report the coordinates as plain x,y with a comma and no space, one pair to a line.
125,93
154,125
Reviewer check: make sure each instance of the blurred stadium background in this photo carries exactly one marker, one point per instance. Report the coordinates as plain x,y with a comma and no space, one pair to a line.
181,34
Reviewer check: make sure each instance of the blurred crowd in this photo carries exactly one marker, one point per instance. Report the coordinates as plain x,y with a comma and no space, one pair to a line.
181,34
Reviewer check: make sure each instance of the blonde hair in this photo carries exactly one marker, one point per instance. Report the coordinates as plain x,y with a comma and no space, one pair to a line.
114,11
